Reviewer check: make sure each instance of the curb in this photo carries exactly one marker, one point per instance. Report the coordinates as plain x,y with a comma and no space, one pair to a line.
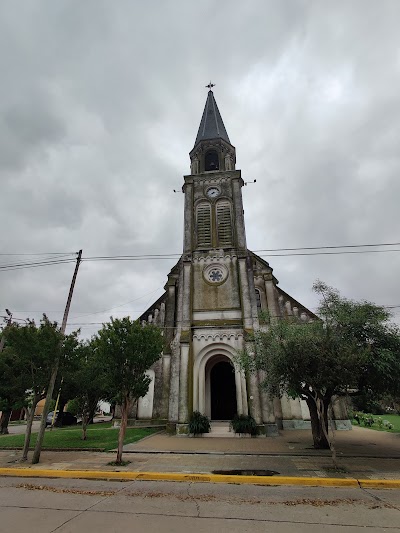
202,478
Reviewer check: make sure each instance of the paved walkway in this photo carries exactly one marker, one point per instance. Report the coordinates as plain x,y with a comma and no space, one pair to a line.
357,442
362,454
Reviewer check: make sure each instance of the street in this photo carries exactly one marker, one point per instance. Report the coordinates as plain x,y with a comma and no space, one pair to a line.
70,505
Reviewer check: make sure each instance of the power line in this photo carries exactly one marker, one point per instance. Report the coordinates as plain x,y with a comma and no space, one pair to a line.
43,253
5,268
329,247
332,253
160,257
57,257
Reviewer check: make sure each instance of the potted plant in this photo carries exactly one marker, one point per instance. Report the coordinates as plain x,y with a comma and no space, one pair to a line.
245,424
199,424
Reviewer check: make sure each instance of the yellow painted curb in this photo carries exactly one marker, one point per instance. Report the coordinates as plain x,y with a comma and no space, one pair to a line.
379,483
204,478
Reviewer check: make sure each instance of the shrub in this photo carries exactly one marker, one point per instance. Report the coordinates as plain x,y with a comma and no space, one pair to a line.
387,424
368,421
199,423
245,424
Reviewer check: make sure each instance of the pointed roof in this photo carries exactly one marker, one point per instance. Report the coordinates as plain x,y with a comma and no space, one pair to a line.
211,125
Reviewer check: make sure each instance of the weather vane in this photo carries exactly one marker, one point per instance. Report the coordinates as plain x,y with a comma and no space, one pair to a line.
210,85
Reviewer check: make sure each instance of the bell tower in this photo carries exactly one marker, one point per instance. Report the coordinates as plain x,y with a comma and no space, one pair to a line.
213,201
216,299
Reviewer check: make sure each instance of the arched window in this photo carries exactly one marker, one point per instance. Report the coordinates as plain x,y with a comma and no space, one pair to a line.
224,223
203,224
211,160
258,299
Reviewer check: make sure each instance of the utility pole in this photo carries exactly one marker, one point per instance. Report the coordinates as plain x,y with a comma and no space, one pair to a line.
53,377
8,324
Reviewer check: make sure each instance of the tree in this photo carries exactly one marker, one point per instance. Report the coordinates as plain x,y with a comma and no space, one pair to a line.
126,350
90,381
351,349
35,348
66,387
13,385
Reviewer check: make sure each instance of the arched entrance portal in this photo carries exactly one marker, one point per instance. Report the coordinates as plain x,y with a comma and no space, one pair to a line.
221,388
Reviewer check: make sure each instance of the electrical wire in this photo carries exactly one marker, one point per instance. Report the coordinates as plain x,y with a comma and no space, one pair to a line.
328,247
42,253
60,257
20,266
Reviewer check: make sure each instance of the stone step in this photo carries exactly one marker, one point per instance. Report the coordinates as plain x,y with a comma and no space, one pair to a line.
220,428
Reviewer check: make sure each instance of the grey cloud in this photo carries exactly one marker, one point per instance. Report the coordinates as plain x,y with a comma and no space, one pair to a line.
100,105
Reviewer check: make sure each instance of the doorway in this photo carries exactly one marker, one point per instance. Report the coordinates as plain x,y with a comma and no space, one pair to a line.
223,391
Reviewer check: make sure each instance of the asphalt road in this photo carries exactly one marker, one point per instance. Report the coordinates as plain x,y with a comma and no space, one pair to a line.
46,505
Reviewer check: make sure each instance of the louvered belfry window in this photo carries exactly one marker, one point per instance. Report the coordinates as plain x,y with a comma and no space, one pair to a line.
224,223
204,225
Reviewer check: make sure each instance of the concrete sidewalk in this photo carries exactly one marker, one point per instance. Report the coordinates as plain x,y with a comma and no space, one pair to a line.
359,442
362,454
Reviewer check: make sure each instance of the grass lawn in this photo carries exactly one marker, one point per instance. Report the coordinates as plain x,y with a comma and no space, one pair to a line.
99,438
393,419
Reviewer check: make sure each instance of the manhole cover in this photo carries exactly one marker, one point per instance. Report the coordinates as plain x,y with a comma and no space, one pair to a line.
246,472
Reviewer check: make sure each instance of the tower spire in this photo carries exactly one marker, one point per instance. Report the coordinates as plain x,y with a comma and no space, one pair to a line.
211,125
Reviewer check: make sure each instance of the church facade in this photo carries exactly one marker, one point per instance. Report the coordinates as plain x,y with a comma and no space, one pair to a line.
212,301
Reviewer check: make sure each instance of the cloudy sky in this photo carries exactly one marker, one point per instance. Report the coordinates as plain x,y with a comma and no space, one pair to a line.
100,103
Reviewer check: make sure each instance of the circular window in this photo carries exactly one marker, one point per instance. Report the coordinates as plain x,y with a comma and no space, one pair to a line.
215,274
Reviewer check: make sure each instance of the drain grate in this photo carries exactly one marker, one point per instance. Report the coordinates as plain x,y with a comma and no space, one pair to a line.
246,472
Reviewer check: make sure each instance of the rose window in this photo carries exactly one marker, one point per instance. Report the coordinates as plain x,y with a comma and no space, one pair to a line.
215,274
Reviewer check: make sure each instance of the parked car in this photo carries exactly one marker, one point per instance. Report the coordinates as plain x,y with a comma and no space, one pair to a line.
68,419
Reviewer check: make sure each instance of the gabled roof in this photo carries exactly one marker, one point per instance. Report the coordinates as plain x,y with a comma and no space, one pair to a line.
211,125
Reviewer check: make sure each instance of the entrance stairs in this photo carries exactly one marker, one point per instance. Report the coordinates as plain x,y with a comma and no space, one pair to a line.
220,428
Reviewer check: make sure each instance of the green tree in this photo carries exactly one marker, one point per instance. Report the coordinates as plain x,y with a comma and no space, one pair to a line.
35,348
66,387
13,384
126,350
91,382
351,349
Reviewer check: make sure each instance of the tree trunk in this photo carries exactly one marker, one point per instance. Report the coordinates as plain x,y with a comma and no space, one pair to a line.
28,431
122,429
5,417
332,439
319,437
322,408
85,420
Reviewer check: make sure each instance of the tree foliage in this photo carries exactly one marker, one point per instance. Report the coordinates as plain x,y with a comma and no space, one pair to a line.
90,381
26,365
351,349
127,350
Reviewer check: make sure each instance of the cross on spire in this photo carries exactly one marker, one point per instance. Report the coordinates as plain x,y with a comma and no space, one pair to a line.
210,85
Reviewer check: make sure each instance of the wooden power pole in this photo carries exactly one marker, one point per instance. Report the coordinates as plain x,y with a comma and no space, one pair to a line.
53,377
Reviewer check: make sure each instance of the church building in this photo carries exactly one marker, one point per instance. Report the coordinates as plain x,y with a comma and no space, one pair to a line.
212,301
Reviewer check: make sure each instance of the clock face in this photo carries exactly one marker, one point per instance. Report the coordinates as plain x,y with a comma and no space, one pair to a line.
213,192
